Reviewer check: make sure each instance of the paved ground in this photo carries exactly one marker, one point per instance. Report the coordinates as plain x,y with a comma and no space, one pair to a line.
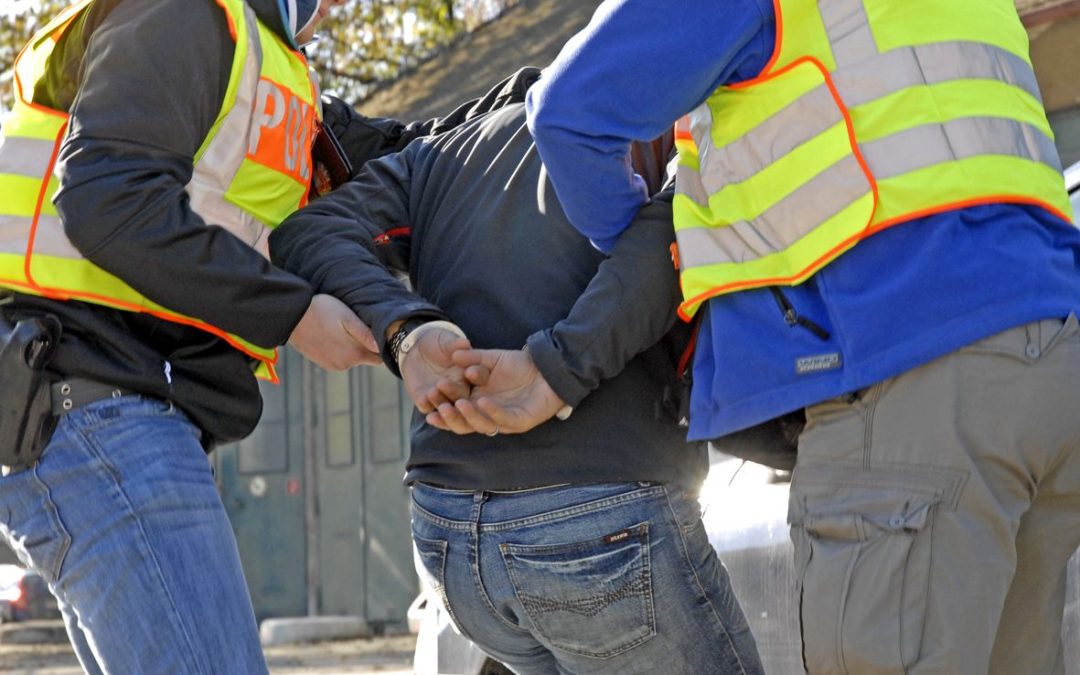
386,656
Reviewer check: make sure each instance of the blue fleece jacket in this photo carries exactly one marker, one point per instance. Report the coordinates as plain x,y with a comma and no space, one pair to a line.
897,300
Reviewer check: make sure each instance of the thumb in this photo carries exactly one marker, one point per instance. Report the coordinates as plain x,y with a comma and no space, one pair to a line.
360,333
475,357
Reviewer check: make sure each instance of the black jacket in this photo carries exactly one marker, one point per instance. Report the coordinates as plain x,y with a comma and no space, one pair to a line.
472,220
143,94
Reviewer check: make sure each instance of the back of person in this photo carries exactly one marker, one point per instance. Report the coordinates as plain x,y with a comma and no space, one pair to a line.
491,247
576,546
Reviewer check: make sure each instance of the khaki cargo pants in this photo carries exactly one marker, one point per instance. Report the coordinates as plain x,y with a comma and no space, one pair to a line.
934,513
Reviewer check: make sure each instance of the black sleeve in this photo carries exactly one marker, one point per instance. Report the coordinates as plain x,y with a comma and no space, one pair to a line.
628,306
144,106
366,138
351,242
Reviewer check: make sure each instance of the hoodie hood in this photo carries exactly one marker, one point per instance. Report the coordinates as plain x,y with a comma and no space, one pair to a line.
273,15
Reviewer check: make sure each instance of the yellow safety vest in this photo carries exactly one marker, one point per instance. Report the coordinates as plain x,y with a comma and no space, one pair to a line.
252,170
870,113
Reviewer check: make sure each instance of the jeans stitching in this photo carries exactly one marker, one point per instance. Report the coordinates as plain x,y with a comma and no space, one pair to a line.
570,512
645,573
474,563
685,550
58,522
147,550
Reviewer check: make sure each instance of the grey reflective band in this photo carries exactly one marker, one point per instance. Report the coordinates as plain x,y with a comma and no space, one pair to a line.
863,75
807,117
906,67
849,31
25,156
930,144
781,225
218,165
49,238
870,74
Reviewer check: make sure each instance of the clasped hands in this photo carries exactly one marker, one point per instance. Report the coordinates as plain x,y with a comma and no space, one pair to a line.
460,389
466,390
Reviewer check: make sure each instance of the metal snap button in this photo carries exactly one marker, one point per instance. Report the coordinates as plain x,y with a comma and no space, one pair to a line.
67,404
65,389
1032,351
116,393
896,522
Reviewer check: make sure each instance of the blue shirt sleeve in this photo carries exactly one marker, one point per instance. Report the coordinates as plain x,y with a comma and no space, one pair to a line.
629,75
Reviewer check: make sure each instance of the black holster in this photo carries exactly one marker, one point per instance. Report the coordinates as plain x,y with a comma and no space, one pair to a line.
26,417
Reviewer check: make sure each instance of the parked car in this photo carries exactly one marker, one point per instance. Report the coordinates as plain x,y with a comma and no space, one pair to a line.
24,596
745,513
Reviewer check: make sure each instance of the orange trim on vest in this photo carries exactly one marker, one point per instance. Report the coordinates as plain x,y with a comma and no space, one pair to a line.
228,18
966,203
842,246
41,203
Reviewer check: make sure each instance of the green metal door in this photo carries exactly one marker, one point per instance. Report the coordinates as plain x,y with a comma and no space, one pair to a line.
262,485
364,552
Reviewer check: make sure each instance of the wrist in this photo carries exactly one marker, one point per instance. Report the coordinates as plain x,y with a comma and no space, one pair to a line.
409,333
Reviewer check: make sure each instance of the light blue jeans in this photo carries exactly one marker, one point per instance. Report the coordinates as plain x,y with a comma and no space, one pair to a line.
591,579
122,518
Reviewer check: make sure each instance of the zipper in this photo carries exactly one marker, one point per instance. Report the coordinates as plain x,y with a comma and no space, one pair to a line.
793,318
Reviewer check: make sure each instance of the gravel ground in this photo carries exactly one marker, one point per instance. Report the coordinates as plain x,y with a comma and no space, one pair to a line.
384,655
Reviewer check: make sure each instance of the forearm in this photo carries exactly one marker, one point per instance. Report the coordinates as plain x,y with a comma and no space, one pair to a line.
341,244
627,307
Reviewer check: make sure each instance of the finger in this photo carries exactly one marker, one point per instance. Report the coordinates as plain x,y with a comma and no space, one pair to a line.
436,420
477,419
458,344
474,357
477,376
451,390
360,333
436,398
453,420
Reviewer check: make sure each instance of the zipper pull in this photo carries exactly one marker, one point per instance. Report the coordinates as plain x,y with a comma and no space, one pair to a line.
792,318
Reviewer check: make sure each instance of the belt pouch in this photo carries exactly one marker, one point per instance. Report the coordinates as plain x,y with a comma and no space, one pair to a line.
26,417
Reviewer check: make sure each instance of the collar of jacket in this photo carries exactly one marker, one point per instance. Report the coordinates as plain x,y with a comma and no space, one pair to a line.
270,14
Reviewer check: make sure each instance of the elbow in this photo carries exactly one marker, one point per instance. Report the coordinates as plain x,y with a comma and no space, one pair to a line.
79,216
542,111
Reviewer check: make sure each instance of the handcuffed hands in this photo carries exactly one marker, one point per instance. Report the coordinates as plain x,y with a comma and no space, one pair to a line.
506,394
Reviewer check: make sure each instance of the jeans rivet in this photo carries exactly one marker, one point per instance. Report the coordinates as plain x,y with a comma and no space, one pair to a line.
67,404
65,389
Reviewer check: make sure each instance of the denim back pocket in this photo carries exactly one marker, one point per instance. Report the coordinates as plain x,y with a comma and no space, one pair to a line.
590,598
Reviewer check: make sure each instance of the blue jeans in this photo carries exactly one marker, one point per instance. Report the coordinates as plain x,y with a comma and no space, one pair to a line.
122,518
606,578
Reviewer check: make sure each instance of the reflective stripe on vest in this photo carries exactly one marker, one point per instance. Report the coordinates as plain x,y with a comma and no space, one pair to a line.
839,139
245,188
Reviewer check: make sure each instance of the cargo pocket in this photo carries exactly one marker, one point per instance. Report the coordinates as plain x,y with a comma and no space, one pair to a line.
863,554
591,598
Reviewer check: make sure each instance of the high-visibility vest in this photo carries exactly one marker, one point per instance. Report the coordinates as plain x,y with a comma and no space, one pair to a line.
252,170
870,113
